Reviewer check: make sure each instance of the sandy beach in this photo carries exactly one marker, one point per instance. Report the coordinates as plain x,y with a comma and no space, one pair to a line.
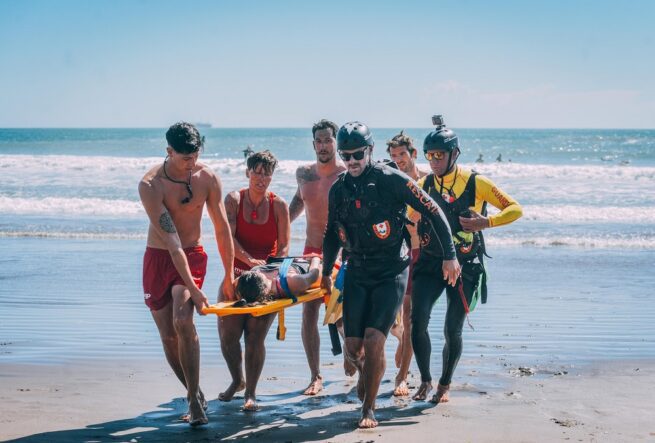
92,369
127,402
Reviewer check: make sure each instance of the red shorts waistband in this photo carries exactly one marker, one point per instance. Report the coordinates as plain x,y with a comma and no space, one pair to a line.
197,248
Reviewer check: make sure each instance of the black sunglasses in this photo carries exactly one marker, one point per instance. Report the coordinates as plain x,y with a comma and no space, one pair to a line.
357,155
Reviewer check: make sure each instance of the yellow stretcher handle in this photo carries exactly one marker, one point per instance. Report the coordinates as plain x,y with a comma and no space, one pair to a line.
281,329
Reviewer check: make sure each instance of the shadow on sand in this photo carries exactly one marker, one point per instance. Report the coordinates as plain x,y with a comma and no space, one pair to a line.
287,417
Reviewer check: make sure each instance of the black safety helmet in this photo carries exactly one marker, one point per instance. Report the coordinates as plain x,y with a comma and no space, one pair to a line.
442,138
354,135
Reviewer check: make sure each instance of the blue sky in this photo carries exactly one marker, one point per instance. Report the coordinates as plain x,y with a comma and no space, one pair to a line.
511,64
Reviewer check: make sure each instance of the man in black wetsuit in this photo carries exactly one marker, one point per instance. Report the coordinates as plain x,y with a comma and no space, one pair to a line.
462,195
366,216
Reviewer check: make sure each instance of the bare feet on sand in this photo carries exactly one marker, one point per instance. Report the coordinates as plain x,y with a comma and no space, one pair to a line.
401,390
197,416
361,389
442,395
231,390
203,404
423,391
250,405
315,386
368,419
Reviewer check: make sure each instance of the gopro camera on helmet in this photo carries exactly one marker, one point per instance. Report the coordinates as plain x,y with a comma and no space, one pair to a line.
441,138
437,120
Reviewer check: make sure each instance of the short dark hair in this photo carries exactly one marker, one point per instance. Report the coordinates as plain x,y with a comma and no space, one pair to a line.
399,140
264,158
251,286
184,138
325,124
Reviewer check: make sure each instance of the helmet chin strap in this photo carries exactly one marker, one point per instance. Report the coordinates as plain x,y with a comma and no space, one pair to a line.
451,166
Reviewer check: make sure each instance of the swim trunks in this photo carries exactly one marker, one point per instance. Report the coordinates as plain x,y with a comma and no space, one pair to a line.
160,275
414,255
312,250
371,304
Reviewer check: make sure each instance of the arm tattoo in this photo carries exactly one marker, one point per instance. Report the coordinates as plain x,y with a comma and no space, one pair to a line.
304,175
296,207
166,223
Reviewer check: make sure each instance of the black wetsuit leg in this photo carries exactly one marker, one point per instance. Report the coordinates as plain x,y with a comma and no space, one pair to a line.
427,286
369,303
354,305
453,324
386,299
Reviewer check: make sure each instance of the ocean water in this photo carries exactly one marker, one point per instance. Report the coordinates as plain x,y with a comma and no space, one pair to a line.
571,281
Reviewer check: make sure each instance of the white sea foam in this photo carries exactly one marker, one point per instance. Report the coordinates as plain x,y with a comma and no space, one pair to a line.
603,241
68,207
129,209
68,165
632,243
570,214
74,235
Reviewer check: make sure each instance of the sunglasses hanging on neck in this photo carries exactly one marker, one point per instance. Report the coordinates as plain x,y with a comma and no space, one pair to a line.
187,183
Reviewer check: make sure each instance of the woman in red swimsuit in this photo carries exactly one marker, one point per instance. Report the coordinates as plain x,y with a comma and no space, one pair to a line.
260,227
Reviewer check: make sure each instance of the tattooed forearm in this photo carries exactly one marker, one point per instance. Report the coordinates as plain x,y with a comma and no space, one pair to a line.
296,206
166,223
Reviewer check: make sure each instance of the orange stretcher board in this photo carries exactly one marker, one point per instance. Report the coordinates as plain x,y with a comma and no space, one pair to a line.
225,308
274,306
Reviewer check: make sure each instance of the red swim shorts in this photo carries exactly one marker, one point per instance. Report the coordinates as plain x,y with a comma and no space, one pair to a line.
312,250
160,275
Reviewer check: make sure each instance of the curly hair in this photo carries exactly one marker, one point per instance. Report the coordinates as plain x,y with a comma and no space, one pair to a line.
265,158
325,124
184,138
251,286
400,140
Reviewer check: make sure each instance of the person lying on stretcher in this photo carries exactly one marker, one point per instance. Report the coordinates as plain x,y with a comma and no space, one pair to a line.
276,280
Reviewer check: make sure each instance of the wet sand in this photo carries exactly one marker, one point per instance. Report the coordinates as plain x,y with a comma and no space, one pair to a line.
89,367
142,402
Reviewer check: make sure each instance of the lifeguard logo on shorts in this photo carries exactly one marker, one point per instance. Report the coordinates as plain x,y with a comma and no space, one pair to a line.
425,240
382,230
146,296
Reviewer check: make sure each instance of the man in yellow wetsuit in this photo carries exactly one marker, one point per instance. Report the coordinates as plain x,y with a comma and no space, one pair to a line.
462,195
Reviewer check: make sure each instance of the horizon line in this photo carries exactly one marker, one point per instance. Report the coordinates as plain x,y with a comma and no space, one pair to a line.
374,127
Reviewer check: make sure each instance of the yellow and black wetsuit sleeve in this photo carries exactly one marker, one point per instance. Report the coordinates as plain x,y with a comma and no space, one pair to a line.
409,193
486,190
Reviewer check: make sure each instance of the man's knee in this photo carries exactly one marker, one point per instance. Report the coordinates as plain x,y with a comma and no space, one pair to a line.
183,323
374,340
419,320
452,333
169,340
355,348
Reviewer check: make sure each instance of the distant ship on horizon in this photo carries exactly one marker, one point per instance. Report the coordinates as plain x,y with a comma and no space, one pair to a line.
203,125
